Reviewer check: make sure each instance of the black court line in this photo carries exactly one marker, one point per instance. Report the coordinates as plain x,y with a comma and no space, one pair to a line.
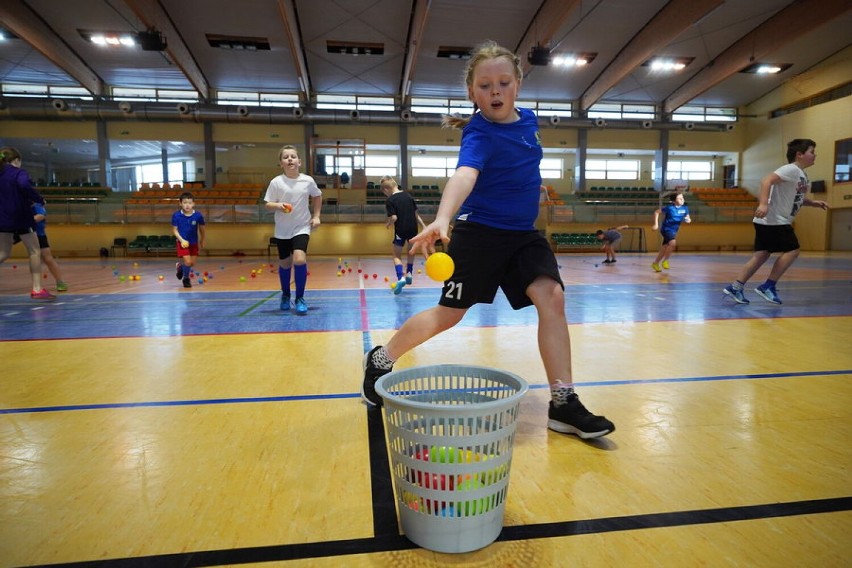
384,510
389,543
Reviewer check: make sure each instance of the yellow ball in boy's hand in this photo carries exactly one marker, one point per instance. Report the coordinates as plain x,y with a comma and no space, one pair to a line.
440,266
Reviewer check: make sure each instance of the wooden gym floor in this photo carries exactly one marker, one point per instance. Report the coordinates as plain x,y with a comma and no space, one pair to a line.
145,424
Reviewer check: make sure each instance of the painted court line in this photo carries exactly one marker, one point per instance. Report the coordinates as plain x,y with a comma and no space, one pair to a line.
291,398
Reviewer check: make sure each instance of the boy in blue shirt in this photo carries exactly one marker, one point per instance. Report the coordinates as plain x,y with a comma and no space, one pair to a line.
188,228
674,214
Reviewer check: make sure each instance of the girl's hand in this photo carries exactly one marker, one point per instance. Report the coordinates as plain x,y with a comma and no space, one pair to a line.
426,239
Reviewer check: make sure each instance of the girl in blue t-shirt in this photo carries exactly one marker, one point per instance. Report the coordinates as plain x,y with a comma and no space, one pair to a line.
493,198
673,215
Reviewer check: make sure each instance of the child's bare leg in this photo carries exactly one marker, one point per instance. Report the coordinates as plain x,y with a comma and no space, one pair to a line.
422,327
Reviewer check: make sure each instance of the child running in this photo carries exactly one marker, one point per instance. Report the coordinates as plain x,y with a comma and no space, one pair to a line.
494,198
188,228
782,195
402,214
673,215
40,217
296,201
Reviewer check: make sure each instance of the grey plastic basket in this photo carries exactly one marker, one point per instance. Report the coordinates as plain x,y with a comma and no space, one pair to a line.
450,431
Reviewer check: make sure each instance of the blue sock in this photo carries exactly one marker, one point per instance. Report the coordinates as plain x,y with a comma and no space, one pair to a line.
300,275
284,277
409,268
398,268
769,284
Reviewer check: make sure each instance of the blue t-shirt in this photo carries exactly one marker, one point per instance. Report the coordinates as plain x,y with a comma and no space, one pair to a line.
40,226
187,225
674,216
507,156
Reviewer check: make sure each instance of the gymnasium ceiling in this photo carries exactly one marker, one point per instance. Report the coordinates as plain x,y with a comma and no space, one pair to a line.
721,38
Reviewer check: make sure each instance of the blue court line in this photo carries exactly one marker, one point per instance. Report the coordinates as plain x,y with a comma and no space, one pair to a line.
337,396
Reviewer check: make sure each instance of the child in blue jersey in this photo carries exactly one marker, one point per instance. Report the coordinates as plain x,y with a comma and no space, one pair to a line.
674,214
188,228
782,195
402,214
493,196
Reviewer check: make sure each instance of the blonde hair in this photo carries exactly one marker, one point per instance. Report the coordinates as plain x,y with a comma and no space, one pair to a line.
9,155
287,147
483,52
388,180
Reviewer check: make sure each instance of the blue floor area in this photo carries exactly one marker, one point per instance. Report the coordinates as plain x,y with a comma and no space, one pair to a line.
204,313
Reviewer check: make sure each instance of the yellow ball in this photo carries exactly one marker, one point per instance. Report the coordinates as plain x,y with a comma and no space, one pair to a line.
440,267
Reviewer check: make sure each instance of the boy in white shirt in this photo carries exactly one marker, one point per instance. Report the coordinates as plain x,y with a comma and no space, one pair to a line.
296,201
782,195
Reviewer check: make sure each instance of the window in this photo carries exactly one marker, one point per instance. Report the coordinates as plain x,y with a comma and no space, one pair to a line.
690,170
441,106
45,91
612,169
381,166
551,168
555,109
705,114
433,166
352,102
153,173
159,95
616,111
257,99
272,100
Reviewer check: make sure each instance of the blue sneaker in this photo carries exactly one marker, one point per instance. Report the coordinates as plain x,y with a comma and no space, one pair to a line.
737,295
398,286
409,278
768,294
301,306
285,302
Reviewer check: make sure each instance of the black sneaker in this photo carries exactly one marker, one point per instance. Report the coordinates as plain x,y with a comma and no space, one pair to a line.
179,270
187,283
573,418
371,375
607,261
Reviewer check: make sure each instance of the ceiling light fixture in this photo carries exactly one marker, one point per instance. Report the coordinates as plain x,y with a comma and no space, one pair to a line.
767,68
453,52
354,48
668,64
573,60
238,42
151,40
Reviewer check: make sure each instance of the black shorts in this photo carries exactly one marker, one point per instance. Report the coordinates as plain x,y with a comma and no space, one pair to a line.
287,246
42,240
775,238
487,259
400,240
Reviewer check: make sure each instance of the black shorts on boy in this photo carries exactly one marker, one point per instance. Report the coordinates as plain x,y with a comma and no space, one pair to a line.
775,238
